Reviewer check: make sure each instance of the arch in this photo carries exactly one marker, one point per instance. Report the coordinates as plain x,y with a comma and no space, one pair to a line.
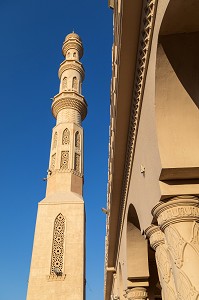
58,246
64,84
74,83
137,249
66,137
77,139
176,90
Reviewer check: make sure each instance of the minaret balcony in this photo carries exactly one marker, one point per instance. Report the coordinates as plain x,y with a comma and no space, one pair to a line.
69,100
71,65
72,41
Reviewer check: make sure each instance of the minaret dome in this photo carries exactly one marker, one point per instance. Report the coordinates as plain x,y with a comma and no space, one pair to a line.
72,47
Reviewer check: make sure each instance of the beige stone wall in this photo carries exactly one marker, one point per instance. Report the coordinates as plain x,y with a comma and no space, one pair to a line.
161,142
40,285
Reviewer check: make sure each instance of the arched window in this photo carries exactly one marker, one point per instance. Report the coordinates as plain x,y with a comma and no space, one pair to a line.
74,54
58,246
55,140
64,84
66,137
77,140
74,84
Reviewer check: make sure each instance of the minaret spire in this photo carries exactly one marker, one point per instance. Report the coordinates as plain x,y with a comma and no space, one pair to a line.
69,108
58,257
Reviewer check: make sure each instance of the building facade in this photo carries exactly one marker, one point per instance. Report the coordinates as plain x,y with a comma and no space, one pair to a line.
152,234
58,258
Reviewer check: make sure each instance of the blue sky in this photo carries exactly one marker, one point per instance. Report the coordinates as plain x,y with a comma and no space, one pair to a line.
31,34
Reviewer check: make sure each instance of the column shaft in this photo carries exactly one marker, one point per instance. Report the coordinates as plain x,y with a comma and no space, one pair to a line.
157,242
178,219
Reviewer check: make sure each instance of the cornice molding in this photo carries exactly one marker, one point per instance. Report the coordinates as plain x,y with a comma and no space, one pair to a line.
178,209
136,293
155,236
143,54
71,65
73,43
69,100
53,277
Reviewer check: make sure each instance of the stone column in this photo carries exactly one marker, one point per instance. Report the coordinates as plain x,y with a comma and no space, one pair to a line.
137,293
157,242
179,220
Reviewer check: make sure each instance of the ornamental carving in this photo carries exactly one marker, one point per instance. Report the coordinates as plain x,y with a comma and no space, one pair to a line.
186,290
195,237
76,44
157,242
155,235
66,137
178,209
53,159
77,162
169,294
67,65
163,263
137,293
55,140
64,165
67,100
77,140
58,246
176,245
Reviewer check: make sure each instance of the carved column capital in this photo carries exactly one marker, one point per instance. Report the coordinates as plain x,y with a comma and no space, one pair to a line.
155,236
176,210
137,293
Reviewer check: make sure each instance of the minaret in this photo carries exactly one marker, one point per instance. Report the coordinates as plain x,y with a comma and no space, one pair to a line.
58,259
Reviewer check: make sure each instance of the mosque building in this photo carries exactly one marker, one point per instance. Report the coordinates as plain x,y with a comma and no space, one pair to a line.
152,229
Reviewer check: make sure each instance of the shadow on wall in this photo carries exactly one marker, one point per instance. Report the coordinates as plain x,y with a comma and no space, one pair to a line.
182,52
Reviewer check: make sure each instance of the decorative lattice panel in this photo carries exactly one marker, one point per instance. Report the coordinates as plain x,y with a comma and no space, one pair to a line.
64,165
77,140
77,162
66,137
58,246
55,140
52,165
